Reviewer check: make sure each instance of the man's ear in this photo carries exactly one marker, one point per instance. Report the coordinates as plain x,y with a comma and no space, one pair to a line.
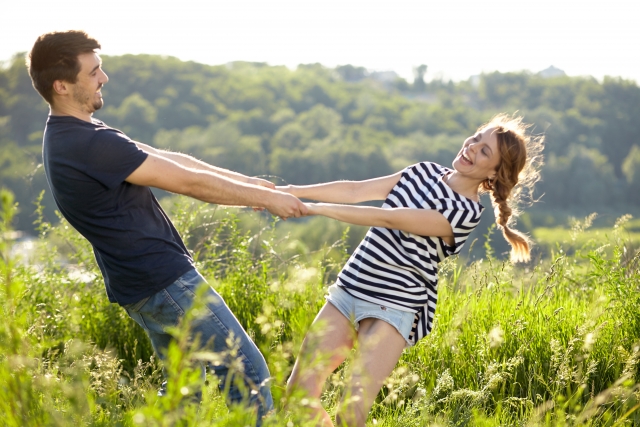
60,87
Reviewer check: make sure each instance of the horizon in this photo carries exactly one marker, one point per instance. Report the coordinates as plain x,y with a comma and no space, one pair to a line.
551,68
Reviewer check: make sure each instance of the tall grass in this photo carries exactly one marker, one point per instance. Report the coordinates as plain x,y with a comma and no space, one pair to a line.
556,343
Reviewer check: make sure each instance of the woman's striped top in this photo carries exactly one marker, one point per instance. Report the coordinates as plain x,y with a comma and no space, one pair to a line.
400,270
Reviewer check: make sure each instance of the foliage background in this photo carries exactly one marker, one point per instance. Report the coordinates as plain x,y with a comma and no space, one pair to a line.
315,124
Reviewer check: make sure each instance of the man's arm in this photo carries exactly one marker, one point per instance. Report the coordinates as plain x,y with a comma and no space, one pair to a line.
346,191
193,163
423,222
166,174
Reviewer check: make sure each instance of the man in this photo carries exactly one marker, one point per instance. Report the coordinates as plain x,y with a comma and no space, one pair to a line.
100,181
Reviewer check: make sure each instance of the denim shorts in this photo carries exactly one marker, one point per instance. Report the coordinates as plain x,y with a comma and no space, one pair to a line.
356,309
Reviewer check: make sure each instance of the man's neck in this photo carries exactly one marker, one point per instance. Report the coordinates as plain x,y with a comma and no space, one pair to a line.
62,109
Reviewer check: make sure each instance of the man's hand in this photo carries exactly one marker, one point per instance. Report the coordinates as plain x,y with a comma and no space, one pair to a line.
261,182
284,188
286,206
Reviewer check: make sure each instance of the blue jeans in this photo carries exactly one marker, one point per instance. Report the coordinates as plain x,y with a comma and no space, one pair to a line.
213,326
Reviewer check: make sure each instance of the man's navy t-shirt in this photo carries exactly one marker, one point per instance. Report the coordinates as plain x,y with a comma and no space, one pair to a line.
136,246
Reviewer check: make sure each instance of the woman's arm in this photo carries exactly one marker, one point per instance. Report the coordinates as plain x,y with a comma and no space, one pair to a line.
423,222
346,191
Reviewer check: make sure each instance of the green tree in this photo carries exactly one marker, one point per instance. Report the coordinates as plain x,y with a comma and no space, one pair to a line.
620,112
350,73
221,144
581,179
631,170
419,72
135,116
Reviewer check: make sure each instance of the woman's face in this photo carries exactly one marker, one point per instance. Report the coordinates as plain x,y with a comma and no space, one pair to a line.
479,156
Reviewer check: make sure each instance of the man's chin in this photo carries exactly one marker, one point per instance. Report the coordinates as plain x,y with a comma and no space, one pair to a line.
98,105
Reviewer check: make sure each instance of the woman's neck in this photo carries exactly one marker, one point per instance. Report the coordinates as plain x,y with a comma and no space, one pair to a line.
462,185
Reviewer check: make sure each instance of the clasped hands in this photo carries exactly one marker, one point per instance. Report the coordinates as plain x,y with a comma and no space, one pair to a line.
281,203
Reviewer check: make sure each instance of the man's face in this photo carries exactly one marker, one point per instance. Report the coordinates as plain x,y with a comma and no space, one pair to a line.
86,90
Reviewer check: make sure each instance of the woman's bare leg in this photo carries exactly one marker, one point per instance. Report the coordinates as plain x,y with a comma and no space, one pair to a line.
325,347
380,346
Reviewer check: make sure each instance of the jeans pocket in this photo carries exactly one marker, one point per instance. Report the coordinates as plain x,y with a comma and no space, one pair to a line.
168,307
136,306
191,280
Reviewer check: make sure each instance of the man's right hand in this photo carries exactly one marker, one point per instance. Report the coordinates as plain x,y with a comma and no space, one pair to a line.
286,206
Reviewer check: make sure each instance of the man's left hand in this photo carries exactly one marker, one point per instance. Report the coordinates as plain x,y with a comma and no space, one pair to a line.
261,182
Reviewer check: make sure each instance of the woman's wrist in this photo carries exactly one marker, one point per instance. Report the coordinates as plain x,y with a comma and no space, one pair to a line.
319,208
285,189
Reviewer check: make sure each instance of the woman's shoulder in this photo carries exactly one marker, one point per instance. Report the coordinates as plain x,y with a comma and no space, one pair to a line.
430,169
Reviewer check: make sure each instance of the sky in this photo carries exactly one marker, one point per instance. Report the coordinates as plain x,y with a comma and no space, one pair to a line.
454,38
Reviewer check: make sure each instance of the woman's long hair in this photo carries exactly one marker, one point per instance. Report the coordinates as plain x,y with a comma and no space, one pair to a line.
518,171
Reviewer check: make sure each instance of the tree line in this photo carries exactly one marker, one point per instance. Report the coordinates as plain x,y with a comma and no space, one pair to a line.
316,123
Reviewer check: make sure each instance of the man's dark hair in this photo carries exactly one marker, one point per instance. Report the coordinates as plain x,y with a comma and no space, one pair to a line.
54,56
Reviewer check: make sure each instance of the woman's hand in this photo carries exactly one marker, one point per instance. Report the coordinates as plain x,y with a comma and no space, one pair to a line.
312,209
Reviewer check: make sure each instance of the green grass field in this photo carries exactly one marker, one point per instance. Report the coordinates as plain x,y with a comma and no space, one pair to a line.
580,235
551,344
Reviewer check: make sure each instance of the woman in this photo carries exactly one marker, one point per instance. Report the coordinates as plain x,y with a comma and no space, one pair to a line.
385,297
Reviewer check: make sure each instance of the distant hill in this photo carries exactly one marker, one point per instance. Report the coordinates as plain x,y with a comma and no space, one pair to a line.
316,123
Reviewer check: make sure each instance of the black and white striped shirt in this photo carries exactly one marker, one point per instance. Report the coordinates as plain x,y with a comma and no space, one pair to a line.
400,270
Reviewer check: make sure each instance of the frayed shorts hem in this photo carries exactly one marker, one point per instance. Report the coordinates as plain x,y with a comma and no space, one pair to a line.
356,310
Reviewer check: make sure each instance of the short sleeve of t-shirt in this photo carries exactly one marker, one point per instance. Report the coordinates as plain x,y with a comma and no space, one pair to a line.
461,212
462,221
112,157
